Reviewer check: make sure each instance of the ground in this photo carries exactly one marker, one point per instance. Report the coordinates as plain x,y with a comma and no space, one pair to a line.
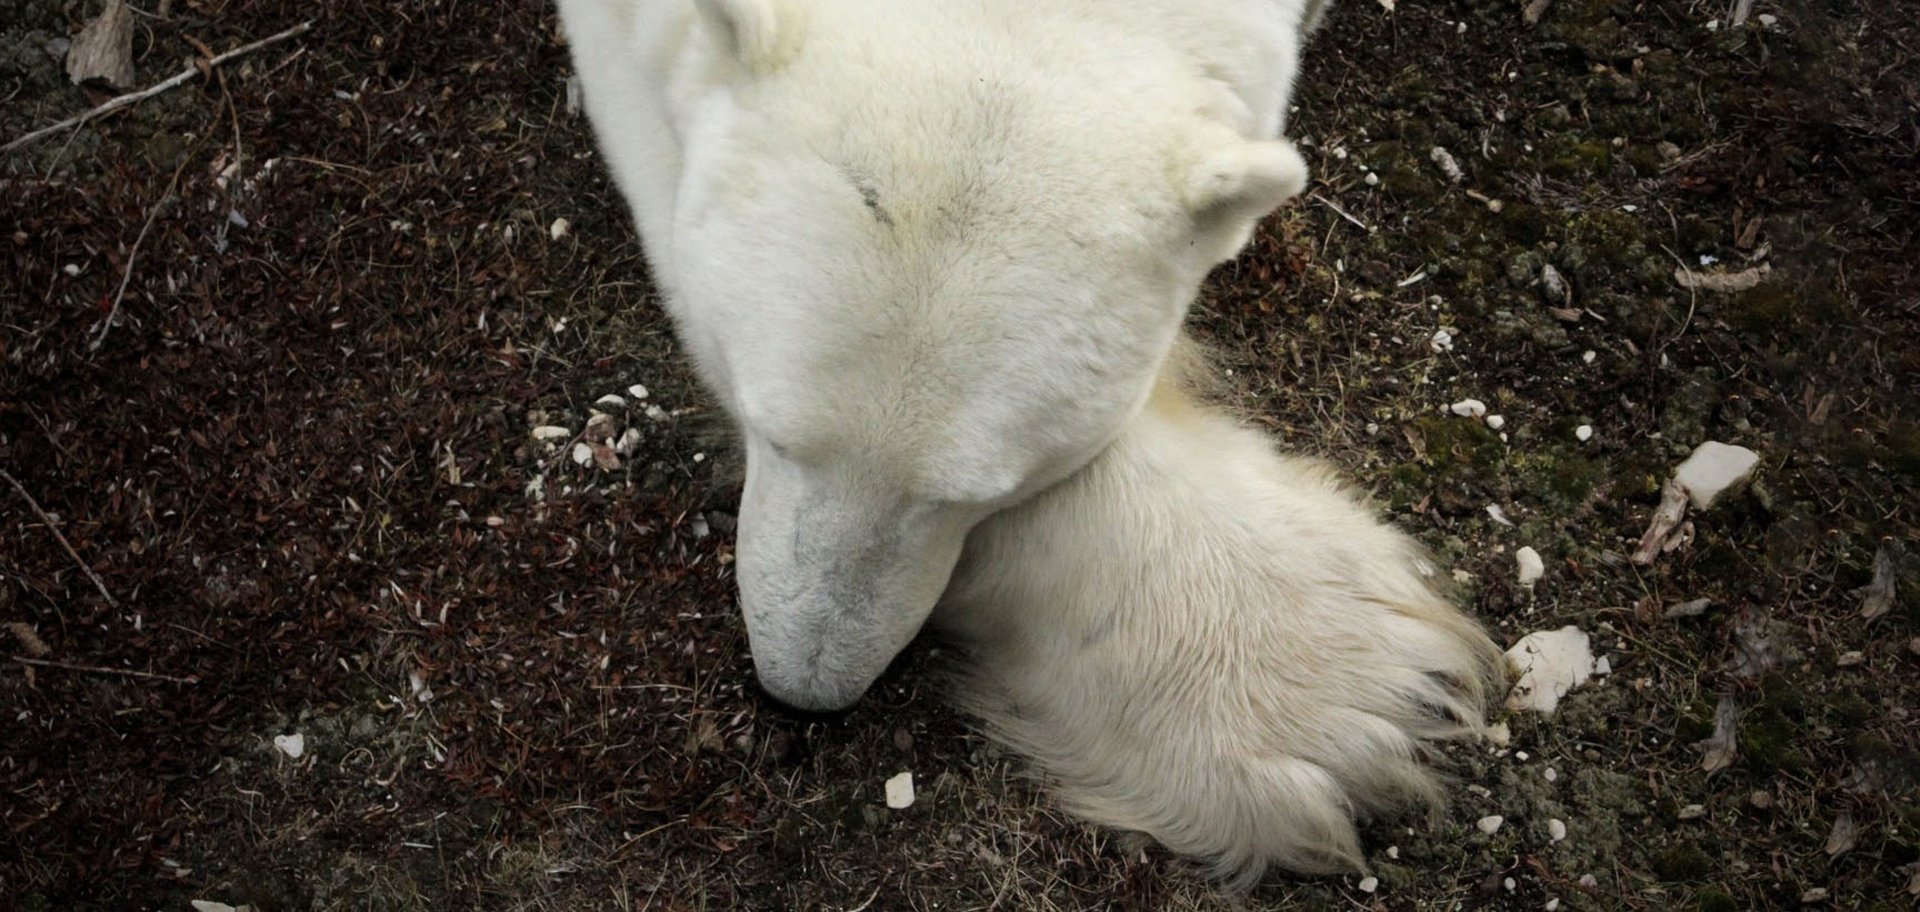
273,344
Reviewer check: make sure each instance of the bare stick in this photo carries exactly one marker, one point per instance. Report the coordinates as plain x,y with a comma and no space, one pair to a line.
1330,204
48,521
177,79
133,253
102,669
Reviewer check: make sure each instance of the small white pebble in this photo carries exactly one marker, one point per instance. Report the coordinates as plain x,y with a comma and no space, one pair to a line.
1814,895
292,745
1468,408
1499,733
1373,428
1692,811
1556,829
1851,657
1496,421
1550,774
1510,884
1553,904
1393,852
1583,433
550,432
1369,884
1372,179
1768,19
1531,567
609,402
1589,881
1521,756
1442,341
1340,152
1588,356
699,457
1602,666
559,228
637,391
1490,824
72,269
582,453
900,791
655,413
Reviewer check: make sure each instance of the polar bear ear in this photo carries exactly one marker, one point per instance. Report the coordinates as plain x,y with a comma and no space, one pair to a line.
1244,182
756,33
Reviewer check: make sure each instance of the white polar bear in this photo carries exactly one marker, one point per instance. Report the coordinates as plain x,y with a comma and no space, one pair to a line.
933,258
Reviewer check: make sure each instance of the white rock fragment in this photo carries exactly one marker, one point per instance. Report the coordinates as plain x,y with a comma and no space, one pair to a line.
1553,905
1550,774
1496,422
900,791
1468,408
1693,811
1556,829
1602,667
1589,881
1510,884
609,402
207,905
1768,19
582,453
1442,341
1530,565
1549,663
559,228
1447,165
1586,357
1714,469
656,413
1393,852
1583,433
292,745
637,391
1372,179
628,442
1490,824
1368,884
1499,515
1499,734
551,432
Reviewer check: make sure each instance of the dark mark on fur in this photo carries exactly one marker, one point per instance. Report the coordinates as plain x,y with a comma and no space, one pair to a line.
871,197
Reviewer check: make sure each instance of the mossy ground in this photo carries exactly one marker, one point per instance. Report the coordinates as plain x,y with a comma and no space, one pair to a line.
301,461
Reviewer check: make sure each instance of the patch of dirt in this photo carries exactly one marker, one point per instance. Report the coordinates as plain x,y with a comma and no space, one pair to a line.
302,462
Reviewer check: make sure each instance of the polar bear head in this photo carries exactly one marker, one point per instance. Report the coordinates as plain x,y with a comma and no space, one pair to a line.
928,275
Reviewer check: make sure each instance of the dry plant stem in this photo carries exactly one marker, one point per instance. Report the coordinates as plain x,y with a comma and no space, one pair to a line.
177,79
48,522
102,669
1330,204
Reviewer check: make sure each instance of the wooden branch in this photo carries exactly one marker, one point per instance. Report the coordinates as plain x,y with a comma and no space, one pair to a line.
102,669
48,521
177,79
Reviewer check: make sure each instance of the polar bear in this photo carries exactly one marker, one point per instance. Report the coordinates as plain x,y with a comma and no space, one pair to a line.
929,255
933,258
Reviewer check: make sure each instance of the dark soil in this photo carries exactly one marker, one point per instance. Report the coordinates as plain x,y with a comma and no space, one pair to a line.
299,457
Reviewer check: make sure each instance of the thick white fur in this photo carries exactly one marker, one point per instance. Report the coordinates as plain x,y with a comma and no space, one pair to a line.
933,257
929,254
1218,645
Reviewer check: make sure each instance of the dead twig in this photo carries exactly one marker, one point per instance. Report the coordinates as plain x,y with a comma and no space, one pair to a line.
178,79
48,521
102,669
1330,204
